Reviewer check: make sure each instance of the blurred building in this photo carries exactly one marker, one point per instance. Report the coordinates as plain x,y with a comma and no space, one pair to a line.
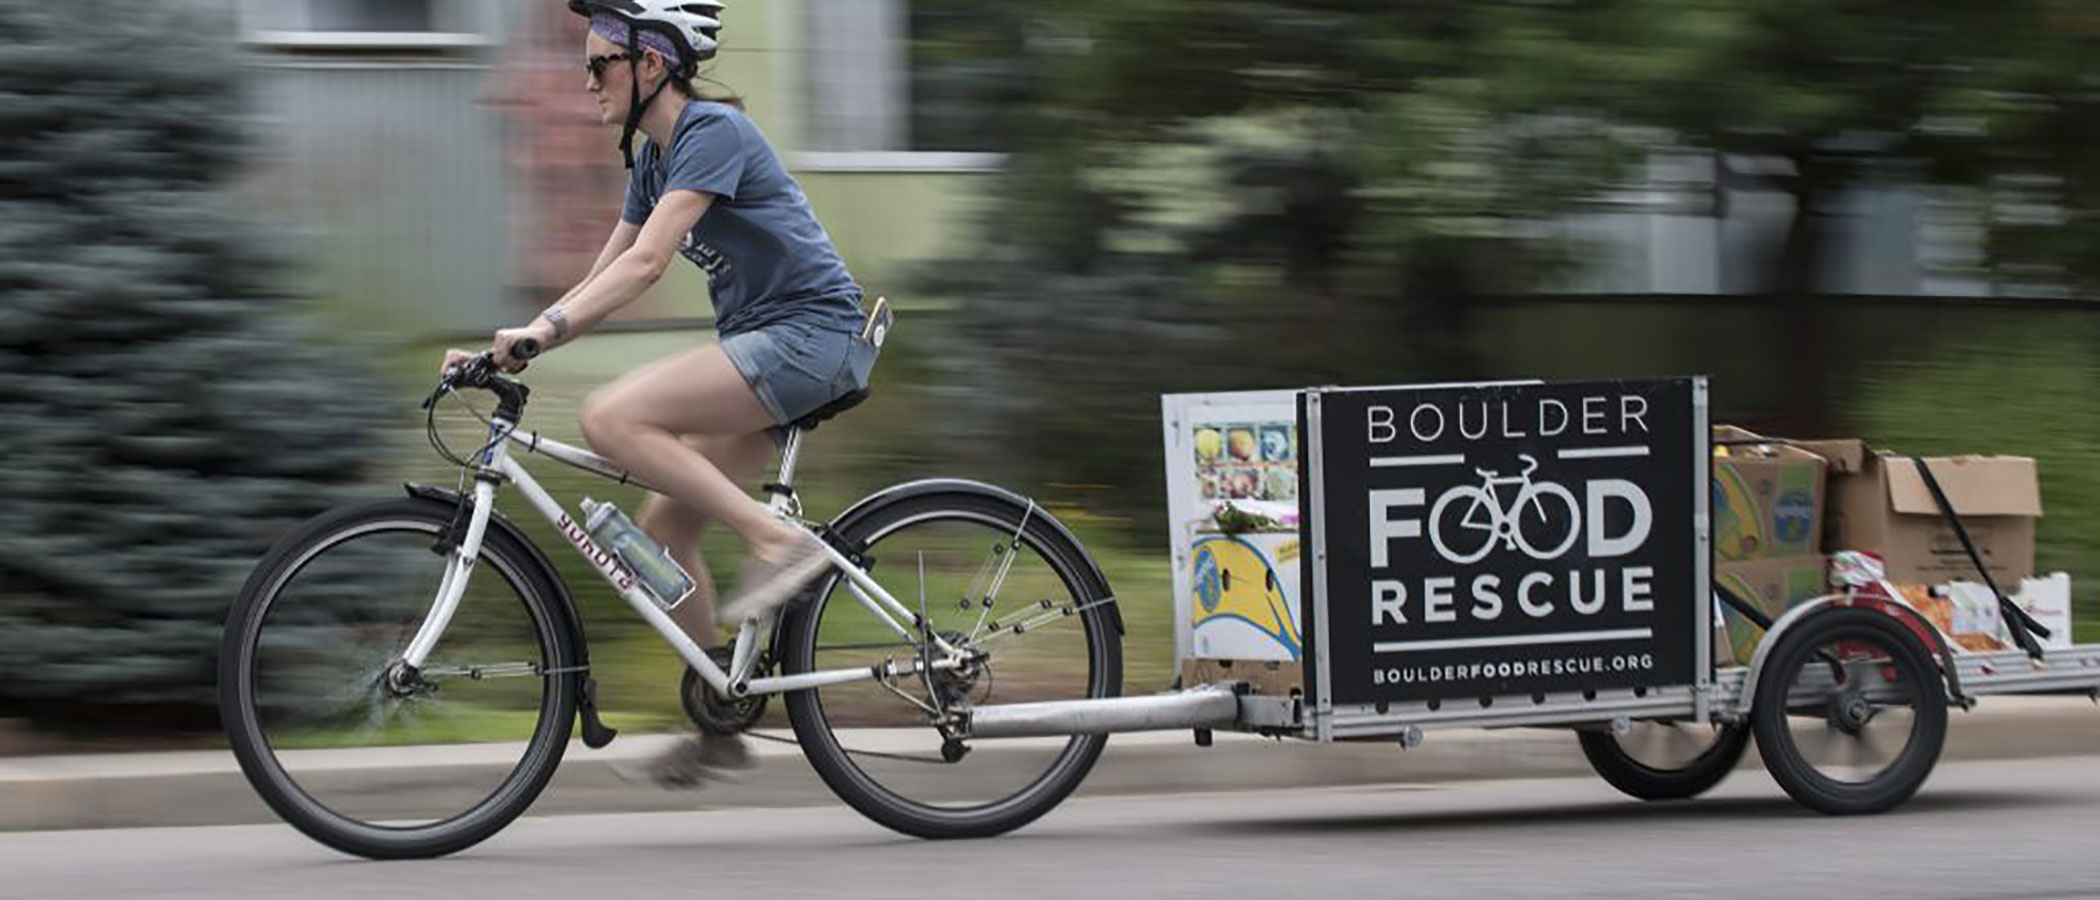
439,163
1688,227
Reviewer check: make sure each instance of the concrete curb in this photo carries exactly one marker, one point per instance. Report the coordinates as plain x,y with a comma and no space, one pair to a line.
207,788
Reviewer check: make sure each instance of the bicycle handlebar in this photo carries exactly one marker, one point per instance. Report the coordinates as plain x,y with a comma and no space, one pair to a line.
479,371
473,373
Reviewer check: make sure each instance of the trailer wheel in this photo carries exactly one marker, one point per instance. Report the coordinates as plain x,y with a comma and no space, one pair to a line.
1850,712
1666,760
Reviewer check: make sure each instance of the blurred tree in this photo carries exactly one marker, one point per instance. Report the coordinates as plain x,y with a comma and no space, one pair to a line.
1211,194
1215,195
1836,92
969,66
2042,118
1813,98
165,420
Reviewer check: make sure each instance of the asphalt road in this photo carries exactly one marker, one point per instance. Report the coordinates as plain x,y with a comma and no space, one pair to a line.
2020,830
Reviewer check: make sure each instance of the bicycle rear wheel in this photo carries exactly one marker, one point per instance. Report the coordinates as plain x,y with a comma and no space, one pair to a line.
874,743
315,696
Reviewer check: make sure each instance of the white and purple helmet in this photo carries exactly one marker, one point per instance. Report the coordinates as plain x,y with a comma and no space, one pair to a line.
684,31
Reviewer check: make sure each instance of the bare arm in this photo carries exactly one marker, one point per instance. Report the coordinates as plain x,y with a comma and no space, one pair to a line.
634,258
623,236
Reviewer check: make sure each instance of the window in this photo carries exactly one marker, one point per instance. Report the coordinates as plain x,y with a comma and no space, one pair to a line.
369,15
915,84
376,24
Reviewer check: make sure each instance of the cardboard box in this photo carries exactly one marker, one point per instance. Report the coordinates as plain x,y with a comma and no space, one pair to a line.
1968,614
1970,620
2048,600
1264,677
1245,603
1878,502
1772,586
1768,498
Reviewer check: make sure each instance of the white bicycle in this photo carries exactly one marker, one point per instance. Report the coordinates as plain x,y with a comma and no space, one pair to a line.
1486,521
432,619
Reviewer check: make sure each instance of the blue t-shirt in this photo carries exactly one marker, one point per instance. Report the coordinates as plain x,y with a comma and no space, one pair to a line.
767,259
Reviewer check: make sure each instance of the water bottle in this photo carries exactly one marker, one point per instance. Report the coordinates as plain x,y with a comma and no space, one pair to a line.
660,576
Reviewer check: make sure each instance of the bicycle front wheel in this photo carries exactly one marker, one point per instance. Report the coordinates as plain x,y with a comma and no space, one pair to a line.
315,695
981,565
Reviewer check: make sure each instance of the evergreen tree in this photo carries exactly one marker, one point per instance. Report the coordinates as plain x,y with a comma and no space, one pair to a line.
164,417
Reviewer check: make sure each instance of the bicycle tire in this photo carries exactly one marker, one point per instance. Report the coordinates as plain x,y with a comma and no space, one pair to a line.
502,556
882,802
1646,780
1825,640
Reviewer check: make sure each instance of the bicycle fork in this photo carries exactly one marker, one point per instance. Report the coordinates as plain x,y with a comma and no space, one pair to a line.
457,569
461,542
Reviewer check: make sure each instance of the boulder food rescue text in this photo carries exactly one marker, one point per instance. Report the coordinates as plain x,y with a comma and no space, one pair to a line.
1508,539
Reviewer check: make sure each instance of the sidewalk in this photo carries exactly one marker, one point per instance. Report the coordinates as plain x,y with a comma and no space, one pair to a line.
206,787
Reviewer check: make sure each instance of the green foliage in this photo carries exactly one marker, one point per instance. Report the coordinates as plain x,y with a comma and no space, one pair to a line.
969,73
1809,97
1227,195
165,421
1221,194
1234,520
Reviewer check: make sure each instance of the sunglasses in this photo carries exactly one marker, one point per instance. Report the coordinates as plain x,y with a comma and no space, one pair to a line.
596,64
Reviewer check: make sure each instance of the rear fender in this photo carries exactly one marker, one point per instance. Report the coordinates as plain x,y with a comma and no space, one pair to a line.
1914,621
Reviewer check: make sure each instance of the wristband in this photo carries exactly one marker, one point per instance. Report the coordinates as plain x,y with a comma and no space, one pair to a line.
558,319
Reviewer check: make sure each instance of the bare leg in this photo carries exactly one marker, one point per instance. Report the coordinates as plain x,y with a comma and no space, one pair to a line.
640,422
678,527
697,758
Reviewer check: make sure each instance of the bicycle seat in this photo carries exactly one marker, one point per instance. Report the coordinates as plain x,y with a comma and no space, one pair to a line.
849,401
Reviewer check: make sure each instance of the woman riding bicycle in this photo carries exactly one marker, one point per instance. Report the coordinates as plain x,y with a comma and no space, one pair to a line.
698,423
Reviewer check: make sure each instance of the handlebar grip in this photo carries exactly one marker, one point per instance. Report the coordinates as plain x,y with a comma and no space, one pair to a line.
524,349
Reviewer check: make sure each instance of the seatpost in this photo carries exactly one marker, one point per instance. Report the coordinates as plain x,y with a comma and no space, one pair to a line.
783,488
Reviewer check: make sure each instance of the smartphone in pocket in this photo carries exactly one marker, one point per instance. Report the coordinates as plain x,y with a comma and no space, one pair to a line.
876,328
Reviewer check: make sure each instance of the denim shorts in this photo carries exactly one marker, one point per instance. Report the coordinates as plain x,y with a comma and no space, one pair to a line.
795,367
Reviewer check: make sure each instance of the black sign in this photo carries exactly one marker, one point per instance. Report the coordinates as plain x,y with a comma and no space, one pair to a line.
1507,540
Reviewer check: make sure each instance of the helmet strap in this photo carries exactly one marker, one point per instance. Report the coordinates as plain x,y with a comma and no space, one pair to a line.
636,103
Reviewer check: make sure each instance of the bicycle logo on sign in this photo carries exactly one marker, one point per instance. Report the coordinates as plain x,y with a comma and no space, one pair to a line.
1528,523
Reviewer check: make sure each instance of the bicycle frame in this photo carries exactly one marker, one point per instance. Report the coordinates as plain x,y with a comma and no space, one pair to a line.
496,465
1490,481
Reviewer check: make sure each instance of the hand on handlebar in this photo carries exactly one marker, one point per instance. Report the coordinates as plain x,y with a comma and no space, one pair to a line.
514,346
458,365
454,358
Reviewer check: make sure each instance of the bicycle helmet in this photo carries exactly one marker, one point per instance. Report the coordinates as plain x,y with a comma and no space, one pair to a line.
691,27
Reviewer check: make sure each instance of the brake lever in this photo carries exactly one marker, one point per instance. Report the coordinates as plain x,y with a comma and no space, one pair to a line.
481,364
439,391
446,382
